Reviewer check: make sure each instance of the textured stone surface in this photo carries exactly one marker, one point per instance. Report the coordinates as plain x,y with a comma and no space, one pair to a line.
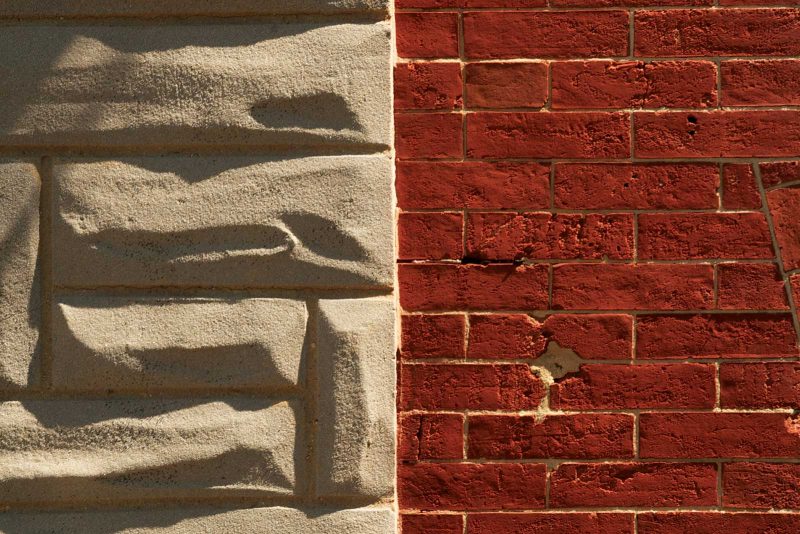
183,221
122,343
281,84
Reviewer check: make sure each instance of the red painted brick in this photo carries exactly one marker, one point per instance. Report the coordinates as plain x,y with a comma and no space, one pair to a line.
629,84
509,236
619,387
471,486
633,484
427,86
428,135
506,85
696,32
632,287
636,186
784,205
499,336
473,287
469,387
715,523
715,336
550,523
760,385
509,35
432,524
548,135
431,436
472,185
427,35
739,188
430,236
761,83
780,172
718,435
744,286
433,336
761,485
555,436
717,134
698,236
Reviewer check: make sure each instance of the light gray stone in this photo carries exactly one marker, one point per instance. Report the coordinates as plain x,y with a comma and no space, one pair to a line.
20,305
61,451
121,343
356,430
284,84
319,222
276,520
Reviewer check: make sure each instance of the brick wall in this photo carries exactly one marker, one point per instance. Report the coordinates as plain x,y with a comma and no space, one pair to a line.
599,242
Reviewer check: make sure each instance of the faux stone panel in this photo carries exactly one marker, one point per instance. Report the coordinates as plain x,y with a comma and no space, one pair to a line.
355,448
228,222
285,85
122,343
20,307
61,451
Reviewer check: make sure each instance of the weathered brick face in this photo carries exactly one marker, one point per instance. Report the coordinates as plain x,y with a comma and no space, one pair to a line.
599,266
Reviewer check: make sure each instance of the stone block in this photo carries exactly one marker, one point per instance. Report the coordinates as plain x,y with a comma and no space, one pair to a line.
318,222
122,343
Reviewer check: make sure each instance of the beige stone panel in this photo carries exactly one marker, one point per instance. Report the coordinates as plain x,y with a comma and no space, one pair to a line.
276,520
356,431
61,451
284,84
315,222
20,306
122,343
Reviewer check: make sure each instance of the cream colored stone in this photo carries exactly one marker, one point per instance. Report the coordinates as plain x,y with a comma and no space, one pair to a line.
276,520
63,451
356,431
227,222
20,306
122,343
284,84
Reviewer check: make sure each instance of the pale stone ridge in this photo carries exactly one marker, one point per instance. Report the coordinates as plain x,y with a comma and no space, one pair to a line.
20,300
275,520
122,343
61,451
355,449
284,84
316,222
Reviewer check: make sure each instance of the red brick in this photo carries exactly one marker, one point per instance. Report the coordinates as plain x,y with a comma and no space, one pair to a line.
760,385
780,172
430,236
698,236
636,186
761,83
471,486
509,35
784,205
715,336
472,185
633,287
715,134
556,436
427,86
761,485
469,387
404,4
745,286
433,336
431,436
428,135
717,32
427,35
432,524
506,85
718,435
620,387
627,84
548,135
715,523
550,523
509,236
473,287
505,336
739,189
633,484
